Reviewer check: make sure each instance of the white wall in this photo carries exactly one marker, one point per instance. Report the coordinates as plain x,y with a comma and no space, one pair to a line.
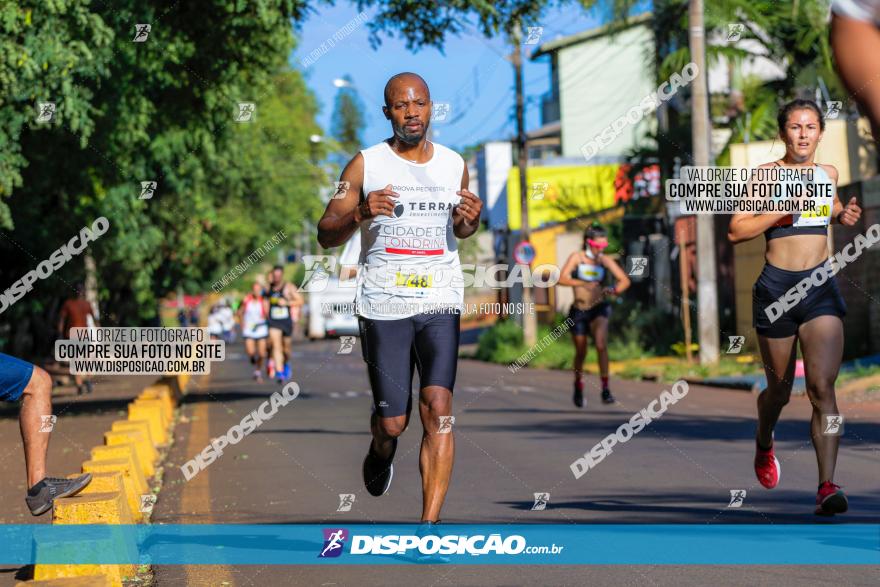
494,161
599,80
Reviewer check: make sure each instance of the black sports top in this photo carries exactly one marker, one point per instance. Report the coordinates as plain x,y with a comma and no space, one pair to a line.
789,225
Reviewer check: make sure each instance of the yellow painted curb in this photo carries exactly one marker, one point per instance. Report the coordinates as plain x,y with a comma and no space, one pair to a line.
94,508
122,451
140,435
160,390
132,490
102,482
173,384
113,574
159,395
97,508
83,581
146,454
153,415
166,417
110,482
142,425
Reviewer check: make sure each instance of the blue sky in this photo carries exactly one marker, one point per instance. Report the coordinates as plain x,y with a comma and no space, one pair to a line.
473,75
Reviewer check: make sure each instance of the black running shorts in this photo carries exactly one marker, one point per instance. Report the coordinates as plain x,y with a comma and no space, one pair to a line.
583,318
285,326
394,349
769,316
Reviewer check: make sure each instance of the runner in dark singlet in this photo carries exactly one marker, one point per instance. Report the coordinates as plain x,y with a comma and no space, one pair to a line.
283,297
797,246
589,272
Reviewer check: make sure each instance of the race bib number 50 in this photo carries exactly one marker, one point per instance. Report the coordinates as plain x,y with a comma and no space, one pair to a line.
819,216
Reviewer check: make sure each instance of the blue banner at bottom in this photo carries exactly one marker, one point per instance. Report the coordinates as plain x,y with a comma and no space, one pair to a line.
516,544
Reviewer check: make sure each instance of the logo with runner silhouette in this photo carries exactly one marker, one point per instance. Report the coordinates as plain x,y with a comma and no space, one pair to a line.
247,112
735,344
341,190
148,190
533,35
638,266
346,500
541,501
833,109
346,344
446,423
47,423
735,31
45,111
737,498
141,32
833,425
334,542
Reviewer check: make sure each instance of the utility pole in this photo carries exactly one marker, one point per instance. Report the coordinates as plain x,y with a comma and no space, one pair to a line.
707,284
530,320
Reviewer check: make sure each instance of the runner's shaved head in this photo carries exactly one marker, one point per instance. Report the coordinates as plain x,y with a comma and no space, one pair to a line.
402,80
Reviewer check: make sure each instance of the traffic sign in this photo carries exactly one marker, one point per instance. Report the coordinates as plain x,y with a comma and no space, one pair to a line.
524,253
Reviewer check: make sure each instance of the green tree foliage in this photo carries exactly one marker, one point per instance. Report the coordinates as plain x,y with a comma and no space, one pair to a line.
162,110
348,119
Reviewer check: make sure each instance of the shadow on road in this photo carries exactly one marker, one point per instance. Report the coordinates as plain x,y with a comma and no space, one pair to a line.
679,508
726,428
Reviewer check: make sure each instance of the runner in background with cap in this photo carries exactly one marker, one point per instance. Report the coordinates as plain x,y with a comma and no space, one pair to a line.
588,272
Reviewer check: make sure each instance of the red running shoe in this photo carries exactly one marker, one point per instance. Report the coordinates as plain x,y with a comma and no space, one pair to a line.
830,500
767,467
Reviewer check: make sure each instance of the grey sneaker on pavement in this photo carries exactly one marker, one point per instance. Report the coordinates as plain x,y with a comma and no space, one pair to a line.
41,496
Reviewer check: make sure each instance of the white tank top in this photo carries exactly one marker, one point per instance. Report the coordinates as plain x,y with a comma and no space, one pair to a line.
253,313
865,10
409,262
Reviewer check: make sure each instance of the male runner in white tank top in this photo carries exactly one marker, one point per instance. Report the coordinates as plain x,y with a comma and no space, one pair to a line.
409,198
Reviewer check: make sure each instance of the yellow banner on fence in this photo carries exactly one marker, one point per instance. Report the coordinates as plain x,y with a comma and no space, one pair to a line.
557,194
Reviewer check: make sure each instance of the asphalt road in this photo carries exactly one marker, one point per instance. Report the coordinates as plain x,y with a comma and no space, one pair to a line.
516,435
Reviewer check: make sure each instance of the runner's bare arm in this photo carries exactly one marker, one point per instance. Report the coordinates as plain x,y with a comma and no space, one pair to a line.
847,214
62,318
344,214
342,218
293,296
466,217
622,281
92,314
